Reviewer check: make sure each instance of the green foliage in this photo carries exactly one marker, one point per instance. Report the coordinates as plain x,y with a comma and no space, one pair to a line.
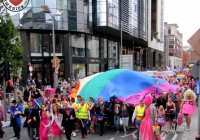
10,44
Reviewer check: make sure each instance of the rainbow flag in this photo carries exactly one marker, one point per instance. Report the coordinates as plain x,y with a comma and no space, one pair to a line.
37,103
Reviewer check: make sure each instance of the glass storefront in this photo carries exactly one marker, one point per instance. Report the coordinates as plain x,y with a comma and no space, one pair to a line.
112,54
79,71
41,45
93,68
78,45
35,44
93,46
103,47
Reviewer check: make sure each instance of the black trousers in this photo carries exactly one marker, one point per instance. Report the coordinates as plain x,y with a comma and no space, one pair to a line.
16,127
101,126
110,115
68,133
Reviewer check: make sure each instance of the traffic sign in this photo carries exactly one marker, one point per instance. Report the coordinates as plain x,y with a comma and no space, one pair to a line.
55,62
30,68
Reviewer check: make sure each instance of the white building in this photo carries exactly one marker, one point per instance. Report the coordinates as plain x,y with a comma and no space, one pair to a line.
175,46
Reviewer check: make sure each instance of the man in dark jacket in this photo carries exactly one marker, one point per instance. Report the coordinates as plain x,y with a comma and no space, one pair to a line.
68,121
32,119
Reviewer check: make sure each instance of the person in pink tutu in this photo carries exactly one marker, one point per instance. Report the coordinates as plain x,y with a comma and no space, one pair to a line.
188,106
150,119
44,123
56,128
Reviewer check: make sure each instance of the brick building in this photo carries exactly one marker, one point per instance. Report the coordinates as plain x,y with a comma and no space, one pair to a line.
185,59
194,56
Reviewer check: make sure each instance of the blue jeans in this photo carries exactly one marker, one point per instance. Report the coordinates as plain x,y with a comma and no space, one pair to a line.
83,124
117,121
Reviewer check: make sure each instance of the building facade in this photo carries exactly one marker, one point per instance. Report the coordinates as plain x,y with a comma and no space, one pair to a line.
155,52
174,45
185,58
88,36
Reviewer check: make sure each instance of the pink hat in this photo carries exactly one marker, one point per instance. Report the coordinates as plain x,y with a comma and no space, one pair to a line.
147,99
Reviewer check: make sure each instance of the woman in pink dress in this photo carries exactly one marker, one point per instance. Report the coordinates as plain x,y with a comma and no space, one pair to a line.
56,128
44,123
150,118
188,106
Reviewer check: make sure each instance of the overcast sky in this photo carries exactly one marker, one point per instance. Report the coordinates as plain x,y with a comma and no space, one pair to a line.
186,13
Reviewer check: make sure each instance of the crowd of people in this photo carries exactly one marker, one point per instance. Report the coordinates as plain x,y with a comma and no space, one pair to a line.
58,113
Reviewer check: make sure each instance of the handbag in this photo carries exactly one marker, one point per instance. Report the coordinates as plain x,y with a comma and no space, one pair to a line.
156,130
121,121
180,118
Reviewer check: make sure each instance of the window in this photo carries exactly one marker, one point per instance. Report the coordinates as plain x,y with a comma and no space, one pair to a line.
47,44
58,45
169,30
112,54
171,54
72,5
171,46
79,71
93,68
171,38
93,46
78,45
35,43
103,47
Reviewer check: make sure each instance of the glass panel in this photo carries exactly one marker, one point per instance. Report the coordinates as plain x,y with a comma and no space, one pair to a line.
51,3
47,73
93,46
93,68
46,44
37,3
79,71
105,48
61,4
78,45
58,45
61,71
39,17
37,67
71,5
15,18
35,43
112,54
26,21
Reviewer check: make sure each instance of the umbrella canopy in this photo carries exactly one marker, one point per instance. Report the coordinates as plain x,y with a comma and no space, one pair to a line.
127,85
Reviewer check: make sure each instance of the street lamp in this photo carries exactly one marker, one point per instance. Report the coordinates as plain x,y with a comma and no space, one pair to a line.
46,9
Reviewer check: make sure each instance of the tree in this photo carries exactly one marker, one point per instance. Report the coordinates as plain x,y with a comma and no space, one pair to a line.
10,44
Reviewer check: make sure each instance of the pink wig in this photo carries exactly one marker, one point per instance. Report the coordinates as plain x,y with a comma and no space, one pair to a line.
147,99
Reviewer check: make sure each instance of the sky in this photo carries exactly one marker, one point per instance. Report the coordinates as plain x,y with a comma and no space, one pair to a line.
185,13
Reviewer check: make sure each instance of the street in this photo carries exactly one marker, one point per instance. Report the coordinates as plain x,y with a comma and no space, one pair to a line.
110,134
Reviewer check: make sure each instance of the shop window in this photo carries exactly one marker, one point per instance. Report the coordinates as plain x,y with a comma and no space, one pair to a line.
113,54
103,47
79,71
93,68
47,44
78,45
93,46
35,44
58,45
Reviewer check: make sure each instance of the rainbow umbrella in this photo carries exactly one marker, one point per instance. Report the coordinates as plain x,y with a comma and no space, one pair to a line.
127,85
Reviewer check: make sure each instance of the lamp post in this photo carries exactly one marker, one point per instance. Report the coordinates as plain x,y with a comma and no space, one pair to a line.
46,9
